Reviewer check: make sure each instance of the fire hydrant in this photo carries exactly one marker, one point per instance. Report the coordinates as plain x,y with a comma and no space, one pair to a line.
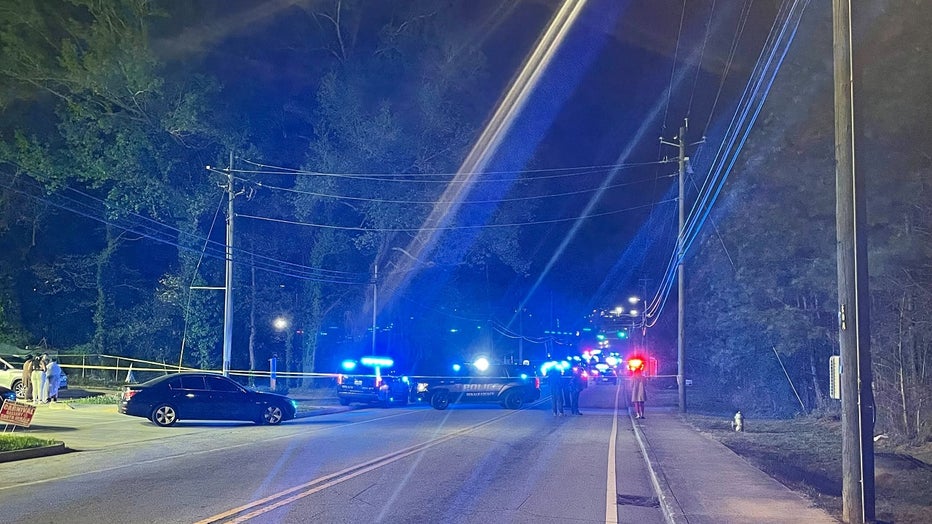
738,423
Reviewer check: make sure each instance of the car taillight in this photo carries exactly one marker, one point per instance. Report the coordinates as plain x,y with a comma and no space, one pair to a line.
128,393
536,382
378,381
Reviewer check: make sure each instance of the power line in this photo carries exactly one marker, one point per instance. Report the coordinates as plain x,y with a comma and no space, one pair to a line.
451,228
705,40
151,229
411,177
488,201
769,62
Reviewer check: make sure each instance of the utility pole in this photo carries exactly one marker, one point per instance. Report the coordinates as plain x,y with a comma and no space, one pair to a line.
521,332
857,398
375,301
228,281
680,144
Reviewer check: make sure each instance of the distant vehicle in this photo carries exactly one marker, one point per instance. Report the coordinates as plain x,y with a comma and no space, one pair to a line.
7,394
203,396
603,374
374,387
11,374
510,385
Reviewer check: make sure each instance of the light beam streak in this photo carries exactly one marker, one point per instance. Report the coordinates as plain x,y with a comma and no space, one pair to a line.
488,142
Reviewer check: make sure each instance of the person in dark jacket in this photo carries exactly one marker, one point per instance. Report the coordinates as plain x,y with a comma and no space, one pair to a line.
578,382
555,381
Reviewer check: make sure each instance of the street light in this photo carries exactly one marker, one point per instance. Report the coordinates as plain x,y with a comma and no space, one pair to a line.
283,324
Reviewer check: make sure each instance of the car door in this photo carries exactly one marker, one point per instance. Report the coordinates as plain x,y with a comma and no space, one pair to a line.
228,401
192,398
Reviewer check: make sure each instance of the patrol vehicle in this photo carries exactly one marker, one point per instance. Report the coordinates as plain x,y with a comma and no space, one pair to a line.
510,385
376,387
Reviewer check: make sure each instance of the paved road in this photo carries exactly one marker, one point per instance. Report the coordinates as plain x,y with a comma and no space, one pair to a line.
466,464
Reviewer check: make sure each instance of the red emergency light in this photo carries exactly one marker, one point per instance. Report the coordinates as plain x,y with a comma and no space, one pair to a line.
635,364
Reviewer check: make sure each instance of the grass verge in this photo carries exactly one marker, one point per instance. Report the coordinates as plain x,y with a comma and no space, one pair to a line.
107,398
805,455
10,442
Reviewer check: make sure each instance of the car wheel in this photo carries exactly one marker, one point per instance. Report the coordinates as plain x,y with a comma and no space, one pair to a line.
19,387
440,400
164,415
514,400
272,415
344,401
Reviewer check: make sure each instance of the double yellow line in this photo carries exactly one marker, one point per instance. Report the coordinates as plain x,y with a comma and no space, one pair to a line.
282,498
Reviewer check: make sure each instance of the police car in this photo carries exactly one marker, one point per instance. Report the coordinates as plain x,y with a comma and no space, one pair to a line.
510,385
375,385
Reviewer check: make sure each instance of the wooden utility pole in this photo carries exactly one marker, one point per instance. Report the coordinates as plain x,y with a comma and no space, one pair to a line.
857,399
228,284
375,301
680,144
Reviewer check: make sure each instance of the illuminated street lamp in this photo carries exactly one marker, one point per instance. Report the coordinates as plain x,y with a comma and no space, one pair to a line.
283,324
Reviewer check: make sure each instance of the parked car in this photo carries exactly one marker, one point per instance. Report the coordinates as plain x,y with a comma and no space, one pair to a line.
7,394
203,396
11,374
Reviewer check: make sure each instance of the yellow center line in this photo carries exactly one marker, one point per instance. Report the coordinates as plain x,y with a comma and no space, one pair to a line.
276,500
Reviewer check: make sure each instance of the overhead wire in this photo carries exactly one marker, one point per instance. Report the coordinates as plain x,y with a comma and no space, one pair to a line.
448,228
151,229
739,32
676,52
705,40
445,178
487,201
404,177
748,109
731,133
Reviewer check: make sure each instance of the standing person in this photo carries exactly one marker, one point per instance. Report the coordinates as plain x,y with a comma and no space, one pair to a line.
555,381
38,378
578,382
53,373
638,392
27,378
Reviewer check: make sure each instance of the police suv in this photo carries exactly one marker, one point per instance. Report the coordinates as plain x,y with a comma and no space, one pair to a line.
372,387
510,385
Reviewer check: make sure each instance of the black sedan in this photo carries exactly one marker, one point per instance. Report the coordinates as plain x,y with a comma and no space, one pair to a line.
203,396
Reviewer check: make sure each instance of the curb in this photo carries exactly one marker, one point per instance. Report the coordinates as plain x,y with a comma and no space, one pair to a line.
672,512
42,451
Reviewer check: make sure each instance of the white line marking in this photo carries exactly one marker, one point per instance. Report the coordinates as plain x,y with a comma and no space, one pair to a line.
611,491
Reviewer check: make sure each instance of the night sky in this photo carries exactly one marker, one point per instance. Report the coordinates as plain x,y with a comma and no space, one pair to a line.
626,75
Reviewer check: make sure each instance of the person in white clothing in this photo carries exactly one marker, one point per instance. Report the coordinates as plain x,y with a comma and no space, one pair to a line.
40,387
53,372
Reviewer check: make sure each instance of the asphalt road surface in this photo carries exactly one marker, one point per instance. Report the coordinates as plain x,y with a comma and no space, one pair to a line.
470,463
